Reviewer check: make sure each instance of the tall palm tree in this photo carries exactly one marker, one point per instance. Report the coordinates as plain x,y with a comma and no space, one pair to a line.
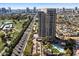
68,52
70,44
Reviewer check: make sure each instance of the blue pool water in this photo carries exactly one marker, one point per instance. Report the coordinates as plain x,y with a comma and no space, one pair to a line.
61,49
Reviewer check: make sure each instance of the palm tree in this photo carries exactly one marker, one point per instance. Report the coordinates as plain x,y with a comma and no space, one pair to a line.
45,40
68,52
70,44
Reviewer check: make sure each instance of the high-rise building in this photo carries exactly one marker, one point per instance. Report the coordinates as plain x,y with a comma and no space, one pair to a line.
3,10
9,9
42,18
51,19
47,24
76,8
27,10
0,11
63,9
34,10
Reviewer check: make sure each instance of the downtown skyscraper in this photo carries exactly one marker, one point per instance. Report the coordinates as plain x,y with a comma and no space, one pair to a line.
47,23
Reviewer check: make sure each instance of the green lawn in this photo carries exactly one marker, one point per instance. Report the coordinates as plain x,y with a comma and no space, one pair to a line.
18,25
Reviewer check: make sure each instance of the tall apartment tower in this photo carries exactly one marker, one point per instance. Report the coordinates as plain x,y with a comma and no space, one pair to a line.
42,18
76,8
47,23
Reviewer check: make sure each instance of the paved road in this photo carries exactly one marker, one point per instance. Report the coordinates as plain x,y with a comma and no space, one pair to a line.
18,50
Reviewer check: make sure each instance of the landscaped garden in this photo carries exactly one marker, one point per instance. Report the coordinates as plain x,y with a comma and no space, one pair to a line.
12,34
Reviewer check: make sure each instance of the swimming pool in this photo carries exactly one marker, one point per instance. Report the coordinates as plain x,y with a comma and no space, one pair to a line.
61,49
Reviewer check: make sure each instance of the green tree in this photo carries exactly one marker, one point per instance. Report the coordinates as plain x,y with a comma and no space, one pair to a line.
45,39
70,44
28,49
68,52
54,50
2,35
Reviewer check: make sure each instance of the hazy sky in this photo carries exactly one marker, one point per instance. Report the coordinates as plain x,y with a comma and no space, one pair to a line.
38,5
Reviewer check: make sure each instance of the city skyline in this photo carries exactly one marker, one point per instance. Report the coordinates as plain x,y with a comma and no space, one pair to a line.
38,5
41,29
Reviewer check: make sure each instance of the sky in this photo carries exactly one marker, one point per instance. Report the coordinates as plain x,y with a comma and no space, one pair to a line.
38,5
